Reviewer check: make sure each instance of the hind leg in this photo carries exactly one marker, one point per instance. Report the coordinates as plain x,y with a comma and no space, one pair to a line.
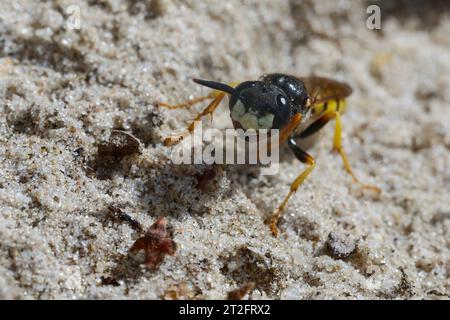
337,143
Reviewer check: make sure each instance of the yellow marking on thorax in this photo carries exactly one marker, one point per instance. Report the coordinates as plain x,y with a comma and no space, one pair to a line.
330,105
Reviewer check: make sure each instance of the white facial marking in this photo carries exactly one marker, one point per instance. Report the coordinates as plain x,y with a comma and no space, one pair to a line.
249,121
266,122
238,111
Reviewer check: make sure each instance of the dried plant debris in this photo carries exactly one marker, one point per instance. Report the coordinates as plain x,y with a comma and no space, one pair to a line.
122,216
156,243
340,246
183,291
109,281
120,144
438,293
405,287
239,293
177,292
205,179
66,94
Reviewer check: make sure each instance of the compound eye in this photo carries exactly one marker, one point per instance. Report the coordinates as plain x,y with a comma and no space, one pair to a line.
282,111
281,101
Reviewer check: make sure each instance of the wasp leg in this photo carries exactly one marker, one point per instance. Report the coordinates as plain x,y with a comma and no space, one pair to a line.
175,139
304,158
337,143
186,104
287,130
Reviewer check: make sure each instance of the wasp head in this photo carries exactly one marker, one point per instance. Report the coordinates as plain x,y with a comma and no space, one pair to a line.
255,104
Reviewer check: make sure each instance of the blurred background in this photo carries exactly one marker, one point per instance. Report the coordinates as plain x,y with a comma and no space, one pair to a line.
72,71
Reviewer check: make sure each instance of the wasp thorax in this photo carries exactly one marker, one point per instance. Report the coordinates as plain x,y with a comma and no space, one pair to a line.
257,105
293,87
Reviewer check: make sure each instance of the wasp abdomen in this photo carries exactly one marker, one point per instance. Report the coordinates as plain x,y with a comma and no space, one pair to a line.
329,106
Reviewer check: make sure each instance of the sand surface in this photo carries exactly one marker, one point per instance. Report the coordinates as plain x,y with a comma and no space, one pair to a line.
62,91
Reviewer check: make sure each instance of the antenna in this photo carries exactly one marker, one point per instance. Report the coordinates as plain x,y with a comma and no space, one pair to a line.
216,85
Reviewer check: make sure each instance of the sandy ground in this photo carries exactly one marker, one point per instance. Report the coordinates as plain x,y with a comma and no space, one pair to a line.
62,91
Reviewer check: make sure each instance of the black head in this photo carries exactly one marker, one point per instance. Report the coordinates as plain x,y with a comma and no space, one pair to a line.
255,104
292,86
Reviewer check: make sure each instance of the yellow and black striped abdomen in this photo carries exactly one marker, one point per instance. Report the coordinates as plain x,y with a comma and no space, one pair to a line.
338,105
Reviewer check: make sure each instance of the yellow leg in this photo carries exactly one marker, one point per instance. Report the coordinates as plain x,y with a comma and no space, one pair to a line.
216,95
175,139
276,216
286,131
337,146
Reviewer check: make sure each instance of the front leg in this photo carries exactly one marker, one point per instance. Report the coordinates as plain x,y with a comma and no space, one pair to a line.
215,95
175,139
304,158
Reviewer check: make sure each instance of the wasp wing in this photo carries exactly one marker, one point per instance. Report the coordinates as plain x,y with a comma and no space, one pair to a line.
321,89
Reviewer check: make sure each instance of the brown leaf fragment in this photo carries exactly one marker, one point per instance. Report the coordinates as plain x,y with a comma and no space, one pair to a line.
120,144
156,243
176,292
239,293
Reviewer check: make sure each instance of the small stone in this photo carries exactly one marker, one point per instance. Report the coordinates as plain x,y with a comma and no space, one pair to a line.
340,246
120,144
